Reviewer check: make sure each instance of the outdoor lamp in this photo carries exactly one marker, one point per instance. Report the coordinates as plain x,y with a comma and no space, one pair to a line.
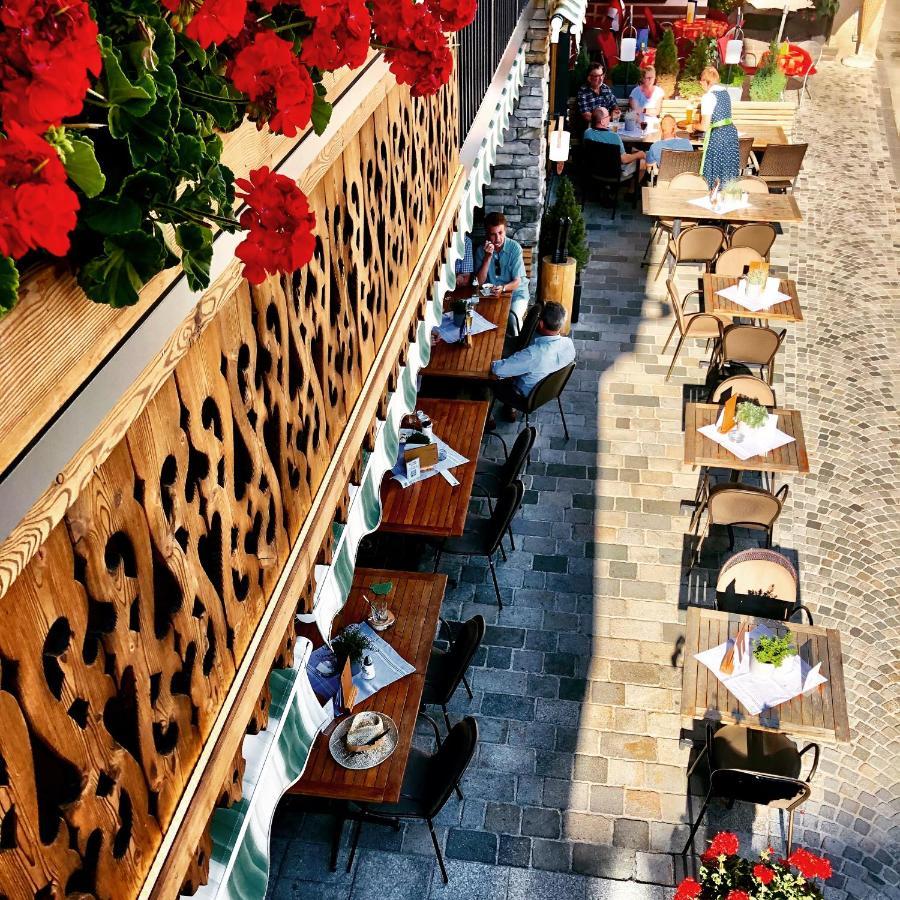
555,28
735,45
628,45
559,146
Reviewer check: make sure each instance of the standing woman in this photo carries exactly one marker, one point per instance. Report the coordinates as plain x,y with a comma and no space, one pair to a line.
647,98
721,148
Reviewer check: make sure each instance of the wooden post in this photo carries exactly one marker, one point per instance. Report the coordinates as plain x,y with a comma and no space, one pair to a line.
558,283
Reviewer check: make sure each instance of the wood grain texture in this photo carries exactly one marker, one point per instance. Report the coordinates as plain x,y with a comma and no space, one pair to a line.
433,507
786,311
762,135
666,203
820,714
699,450
416,601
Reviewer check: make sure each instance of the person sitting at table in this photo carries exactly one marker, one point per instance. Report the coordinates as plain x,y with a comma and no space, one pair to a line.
599,132
721,146
548,352
647,98
595,94
667,141
465,265
499,263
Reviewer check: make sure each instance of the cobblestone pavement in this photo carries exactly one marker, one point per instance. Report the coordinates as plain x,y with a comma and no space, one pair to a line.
578,788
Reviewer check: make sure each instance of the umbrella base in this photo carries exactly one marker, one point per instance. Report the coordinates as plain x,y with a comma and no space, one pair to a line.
861,60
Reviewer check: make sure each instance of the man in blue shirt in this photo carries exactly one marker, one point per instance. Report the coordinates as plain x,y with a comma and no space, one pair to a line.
599,131
499,263
595,94
548,352
667,141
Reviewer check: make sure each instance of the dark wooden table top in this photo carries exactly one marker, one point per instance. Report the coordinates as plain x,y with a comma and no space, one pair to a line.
786,311
433,507
416,602
820,714
699,450
459,361
667,203
762,135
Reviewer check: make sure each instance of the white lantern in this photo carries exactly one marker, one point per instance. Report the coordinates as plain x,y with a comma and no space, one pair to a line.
555,28
559,146
733,50
628,49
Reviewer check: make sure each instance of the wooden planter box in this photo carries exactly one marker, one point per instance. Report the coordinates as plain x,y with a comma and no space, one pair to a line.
745,112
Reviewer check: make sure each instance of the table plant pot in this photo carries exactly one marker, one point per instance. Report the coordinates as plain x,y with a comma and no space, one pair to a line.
771,655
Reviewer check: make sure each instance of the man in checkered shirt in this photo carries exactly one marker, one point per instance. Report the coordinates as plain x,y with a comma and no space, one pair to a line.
595,93
465,265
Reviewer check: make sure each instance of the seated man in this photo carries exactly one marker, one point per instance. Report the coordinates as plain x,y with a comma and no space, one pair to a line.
667,141
599,131
499,263
465,265
548,352
595,94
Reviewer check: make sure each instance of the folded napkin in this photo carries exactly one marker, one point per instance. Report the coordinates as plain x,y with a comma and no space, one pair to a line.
450,332
765,299
757,691
727,204
756,442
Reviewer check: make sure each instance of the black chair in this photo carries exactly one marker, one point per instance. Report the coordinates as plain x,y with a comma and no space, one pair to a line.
601,165
546,390
513,343
753,766
447,668
492,477
427,785
483,537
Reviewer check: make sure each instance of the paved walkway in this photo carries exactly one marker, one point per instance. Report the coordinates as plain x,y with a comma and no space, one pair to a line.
578,788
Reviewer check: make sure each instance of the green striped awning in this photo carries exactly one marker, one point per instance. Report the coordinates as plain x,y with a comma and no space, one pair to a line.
574,12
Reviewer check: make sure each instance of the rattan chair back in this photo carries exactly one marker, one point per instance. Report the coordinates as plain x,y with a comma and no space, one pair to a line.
752,184
689,181
744,506
700,244
676,162
734,262
743,386
765,571
782,161
758,235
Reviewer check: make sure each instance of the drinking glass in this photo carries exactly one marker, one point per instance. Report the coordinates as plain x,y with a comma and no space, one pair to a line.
379,610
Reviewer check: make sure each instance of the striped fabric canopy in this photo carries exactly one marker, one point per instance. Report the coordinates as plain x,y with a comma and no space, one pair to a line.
574,12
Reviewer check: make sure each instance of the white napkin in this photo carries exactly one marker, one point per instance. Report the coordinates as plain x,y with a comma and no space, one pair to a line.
766,298
758,692
450,332
756,442
448,458
727,204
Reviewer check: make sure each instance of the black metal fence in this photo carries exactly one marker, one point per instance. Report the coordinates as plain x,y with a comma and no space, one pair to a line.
481,46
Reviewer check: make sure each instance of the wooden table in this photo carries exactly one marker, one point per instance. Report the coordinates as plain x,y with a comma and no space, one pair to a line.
665,203
432,507
416,601
699,450
762,135
474,362
820,714
787,311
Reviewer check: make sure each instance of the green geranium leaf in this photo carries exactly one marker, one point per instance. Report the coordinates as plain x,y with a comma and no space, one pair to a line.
113,216
80,163
129,261
9,284
383,588
188,154
148,135
321,114
196,244
123,95
147,188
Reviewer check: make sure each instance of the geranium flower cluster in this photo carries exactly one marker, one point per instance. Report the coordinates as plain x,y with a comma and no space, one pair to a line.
725,875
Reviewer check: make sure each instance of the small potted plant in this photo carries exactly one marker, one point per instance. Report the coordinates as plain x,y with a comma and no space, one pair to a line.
750,415
460,308
769,654
350,644
667,63
769,82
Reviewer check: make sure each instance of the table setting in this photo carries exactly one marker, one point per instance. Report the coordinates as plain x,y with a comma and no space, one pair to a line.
450,332
407,472
741,435
755,297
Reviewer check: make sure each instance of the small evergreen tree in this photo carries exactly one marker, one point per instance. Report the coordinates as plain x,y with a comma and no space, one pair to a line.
702,54
667,54
566,205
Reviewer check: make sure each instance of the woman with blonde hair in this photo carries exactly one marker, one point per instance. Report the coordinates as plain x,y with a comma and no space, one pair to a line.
721,147
647,98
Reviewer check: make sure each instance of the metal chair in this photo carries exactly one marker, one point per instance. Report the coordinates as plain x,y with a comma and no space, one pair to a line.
429,781
700,244
733,262
753,766
696,325
689,181
744,386
752,345
781,164
546,390
447,668
753,184
529,326
483,537
745,149
760,583
601,164
675,162
758,235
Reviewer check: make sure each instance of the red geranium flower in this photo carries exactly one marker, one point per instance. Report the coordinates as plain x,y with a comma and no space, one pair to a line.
738,895
280,225
763,874
37,207
47,50
216,21
415,46
276,82
810,865
340,36
688,890
725,843
454,15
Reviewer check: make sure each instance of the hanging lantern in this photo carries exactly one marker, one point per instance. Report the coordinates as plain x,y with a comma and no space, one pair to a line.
559,144
735,47
628,44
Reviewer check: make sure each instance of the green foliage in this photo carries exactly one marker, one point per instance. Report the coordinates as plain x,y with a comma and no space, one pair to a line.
350,644
9,284
752,414
566,206
731,76
625,73
775,649
667,54
702,54
724,6
579,72
826,9
769,81
689,88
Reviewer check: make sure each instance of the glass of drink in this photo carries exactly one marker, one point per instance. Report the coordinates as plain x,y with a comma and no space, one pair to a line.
689,115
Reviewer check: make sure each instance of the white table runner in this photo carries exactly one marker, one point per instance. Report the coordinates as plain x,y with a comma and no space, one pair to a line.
448,458
450,333
756,442
765,299
727,204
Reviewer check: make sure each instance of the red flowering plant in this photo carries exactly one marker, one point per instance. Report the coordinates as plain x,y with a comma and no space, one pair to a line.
725,875
111,113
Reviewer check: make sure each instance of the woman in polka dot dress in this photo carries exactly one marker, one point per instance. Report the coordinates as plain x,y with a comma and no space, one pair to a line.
721,149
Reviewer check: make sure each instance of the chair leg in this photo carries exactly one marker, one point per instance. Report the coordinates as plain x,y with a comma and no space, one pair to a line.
353,844
730,538
336,836
496,585
669,338
512,543
689,845
437,557
503,552
437,850
675,356
563,417
465,682
446,716
662,263
790,833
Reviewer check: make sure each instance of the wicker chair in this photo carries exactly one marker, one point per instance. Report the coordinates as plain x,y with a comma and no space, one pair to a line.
690,325
772,579
689,181
781,164
745,149
744,386
674,162
753,184
758,235
734,262
700,244
752,345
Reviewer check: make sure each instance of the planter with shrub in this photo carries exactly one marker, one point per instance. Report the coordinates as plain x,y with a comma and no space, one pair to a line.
666,63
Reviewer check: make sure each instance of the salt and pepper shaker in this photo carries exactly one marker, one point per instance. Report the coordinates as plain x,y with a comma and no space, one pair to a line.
368,668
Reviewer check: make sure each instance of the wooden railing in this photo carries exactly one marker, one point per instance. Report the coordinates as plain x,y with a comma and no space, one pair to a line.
140,633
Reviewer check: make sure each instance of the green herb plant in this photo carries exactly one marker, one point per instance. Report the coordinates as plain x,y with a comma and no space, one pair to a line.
774,649
702,54
625,73
769,82
690,88
350,644
751,414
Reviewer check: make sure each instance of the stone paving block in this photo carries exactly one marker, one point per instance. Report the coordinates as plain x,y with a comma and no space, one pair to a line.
602,861
390,875
478,846
553,855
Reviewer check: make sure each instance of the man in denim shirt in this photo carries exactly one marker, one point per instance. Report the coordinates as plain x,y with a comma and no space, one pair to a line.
499,263
548,352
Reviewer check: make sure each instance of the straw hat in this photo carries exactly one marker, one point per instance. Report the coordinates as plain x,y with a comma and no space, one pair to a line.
373,731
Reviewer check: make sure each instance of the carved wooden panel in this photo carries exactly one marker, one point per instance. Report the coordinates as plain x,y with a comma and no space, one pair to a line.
122,636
